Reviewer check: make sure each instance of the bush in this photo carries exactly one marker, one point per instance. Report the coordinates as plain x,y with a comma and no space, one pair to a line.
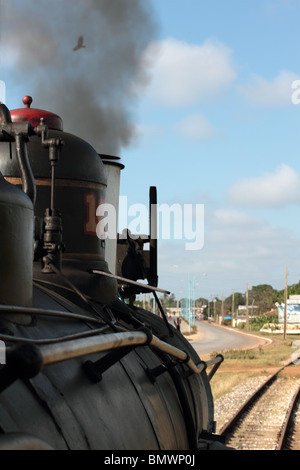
258,322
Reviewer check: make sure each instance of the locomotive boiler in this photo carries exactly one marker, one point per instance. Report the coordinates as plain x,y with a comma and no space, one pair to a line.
84,368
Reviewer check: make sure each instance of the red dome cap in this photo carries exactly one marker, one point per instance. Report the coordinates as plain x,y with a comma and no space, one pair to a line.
33,115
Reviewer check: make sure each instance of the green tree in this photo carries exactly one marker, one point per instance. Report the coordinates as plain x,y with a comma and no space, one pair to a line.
264,297
293,289
239,299
168,300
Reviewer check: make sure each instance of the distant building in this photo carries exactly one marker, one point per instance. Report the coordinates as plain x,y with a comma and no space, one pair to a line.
243,308
175,311
292,310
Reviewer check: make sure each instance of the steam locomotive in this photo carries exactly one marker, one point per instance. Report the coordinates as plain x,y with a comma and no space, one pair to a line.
82,366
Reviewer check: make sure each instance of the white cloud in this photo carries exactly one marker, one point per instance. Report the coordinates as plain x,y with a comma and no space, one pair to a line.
184,74
276,92
234,219
241,234
196,127
239,248
269,190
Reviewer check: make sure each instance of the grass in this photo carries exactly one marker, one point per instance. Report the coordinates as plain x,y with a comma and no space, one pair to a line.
224,382
239,365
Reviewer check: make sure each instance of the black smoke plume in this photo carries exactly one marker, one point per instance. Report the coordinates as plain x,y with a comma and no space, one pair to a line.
94,88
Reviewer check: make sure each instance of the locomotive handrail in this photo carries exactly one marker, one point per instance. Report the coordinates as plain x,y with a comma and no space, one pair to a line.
70,349
28,181
52,354
130,281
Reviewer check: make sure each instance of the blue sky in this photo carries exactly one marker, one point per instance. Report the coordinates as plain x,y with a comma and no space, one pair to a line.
231,143
216,126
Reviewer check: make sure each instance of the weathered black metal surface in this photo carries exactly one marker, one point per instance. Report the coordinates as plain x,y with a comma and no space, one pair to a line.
79,161
16,245
125,410
56,404
80,187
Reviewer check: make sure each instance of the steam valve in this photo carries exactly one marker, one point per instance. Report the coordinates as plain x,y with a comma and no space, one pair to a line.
53,245
52,239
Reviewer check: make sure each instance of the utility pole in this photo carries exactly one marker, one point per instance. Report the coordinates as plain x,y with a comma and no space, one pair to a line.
285,305
222,307
232,308
247,309
214,308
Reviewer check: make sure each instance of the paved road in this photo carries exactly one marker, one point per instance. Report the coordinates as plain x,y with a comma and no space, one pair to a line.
211,338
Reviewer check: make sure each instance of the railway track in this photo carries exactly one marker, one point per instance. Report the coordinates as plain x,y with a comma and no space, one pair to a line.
269,419
290,435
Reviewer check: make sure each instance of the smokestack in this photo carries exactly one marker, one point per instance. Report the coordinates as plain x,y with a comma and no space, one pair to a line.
93,88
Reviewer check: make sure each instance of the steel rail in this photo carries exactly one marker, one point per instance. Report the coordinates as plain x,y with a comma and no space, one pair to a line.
229,426
286,425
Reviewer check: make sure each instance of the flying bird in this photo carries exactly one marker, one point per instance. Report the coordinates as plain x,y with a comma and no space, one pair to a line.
79,44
